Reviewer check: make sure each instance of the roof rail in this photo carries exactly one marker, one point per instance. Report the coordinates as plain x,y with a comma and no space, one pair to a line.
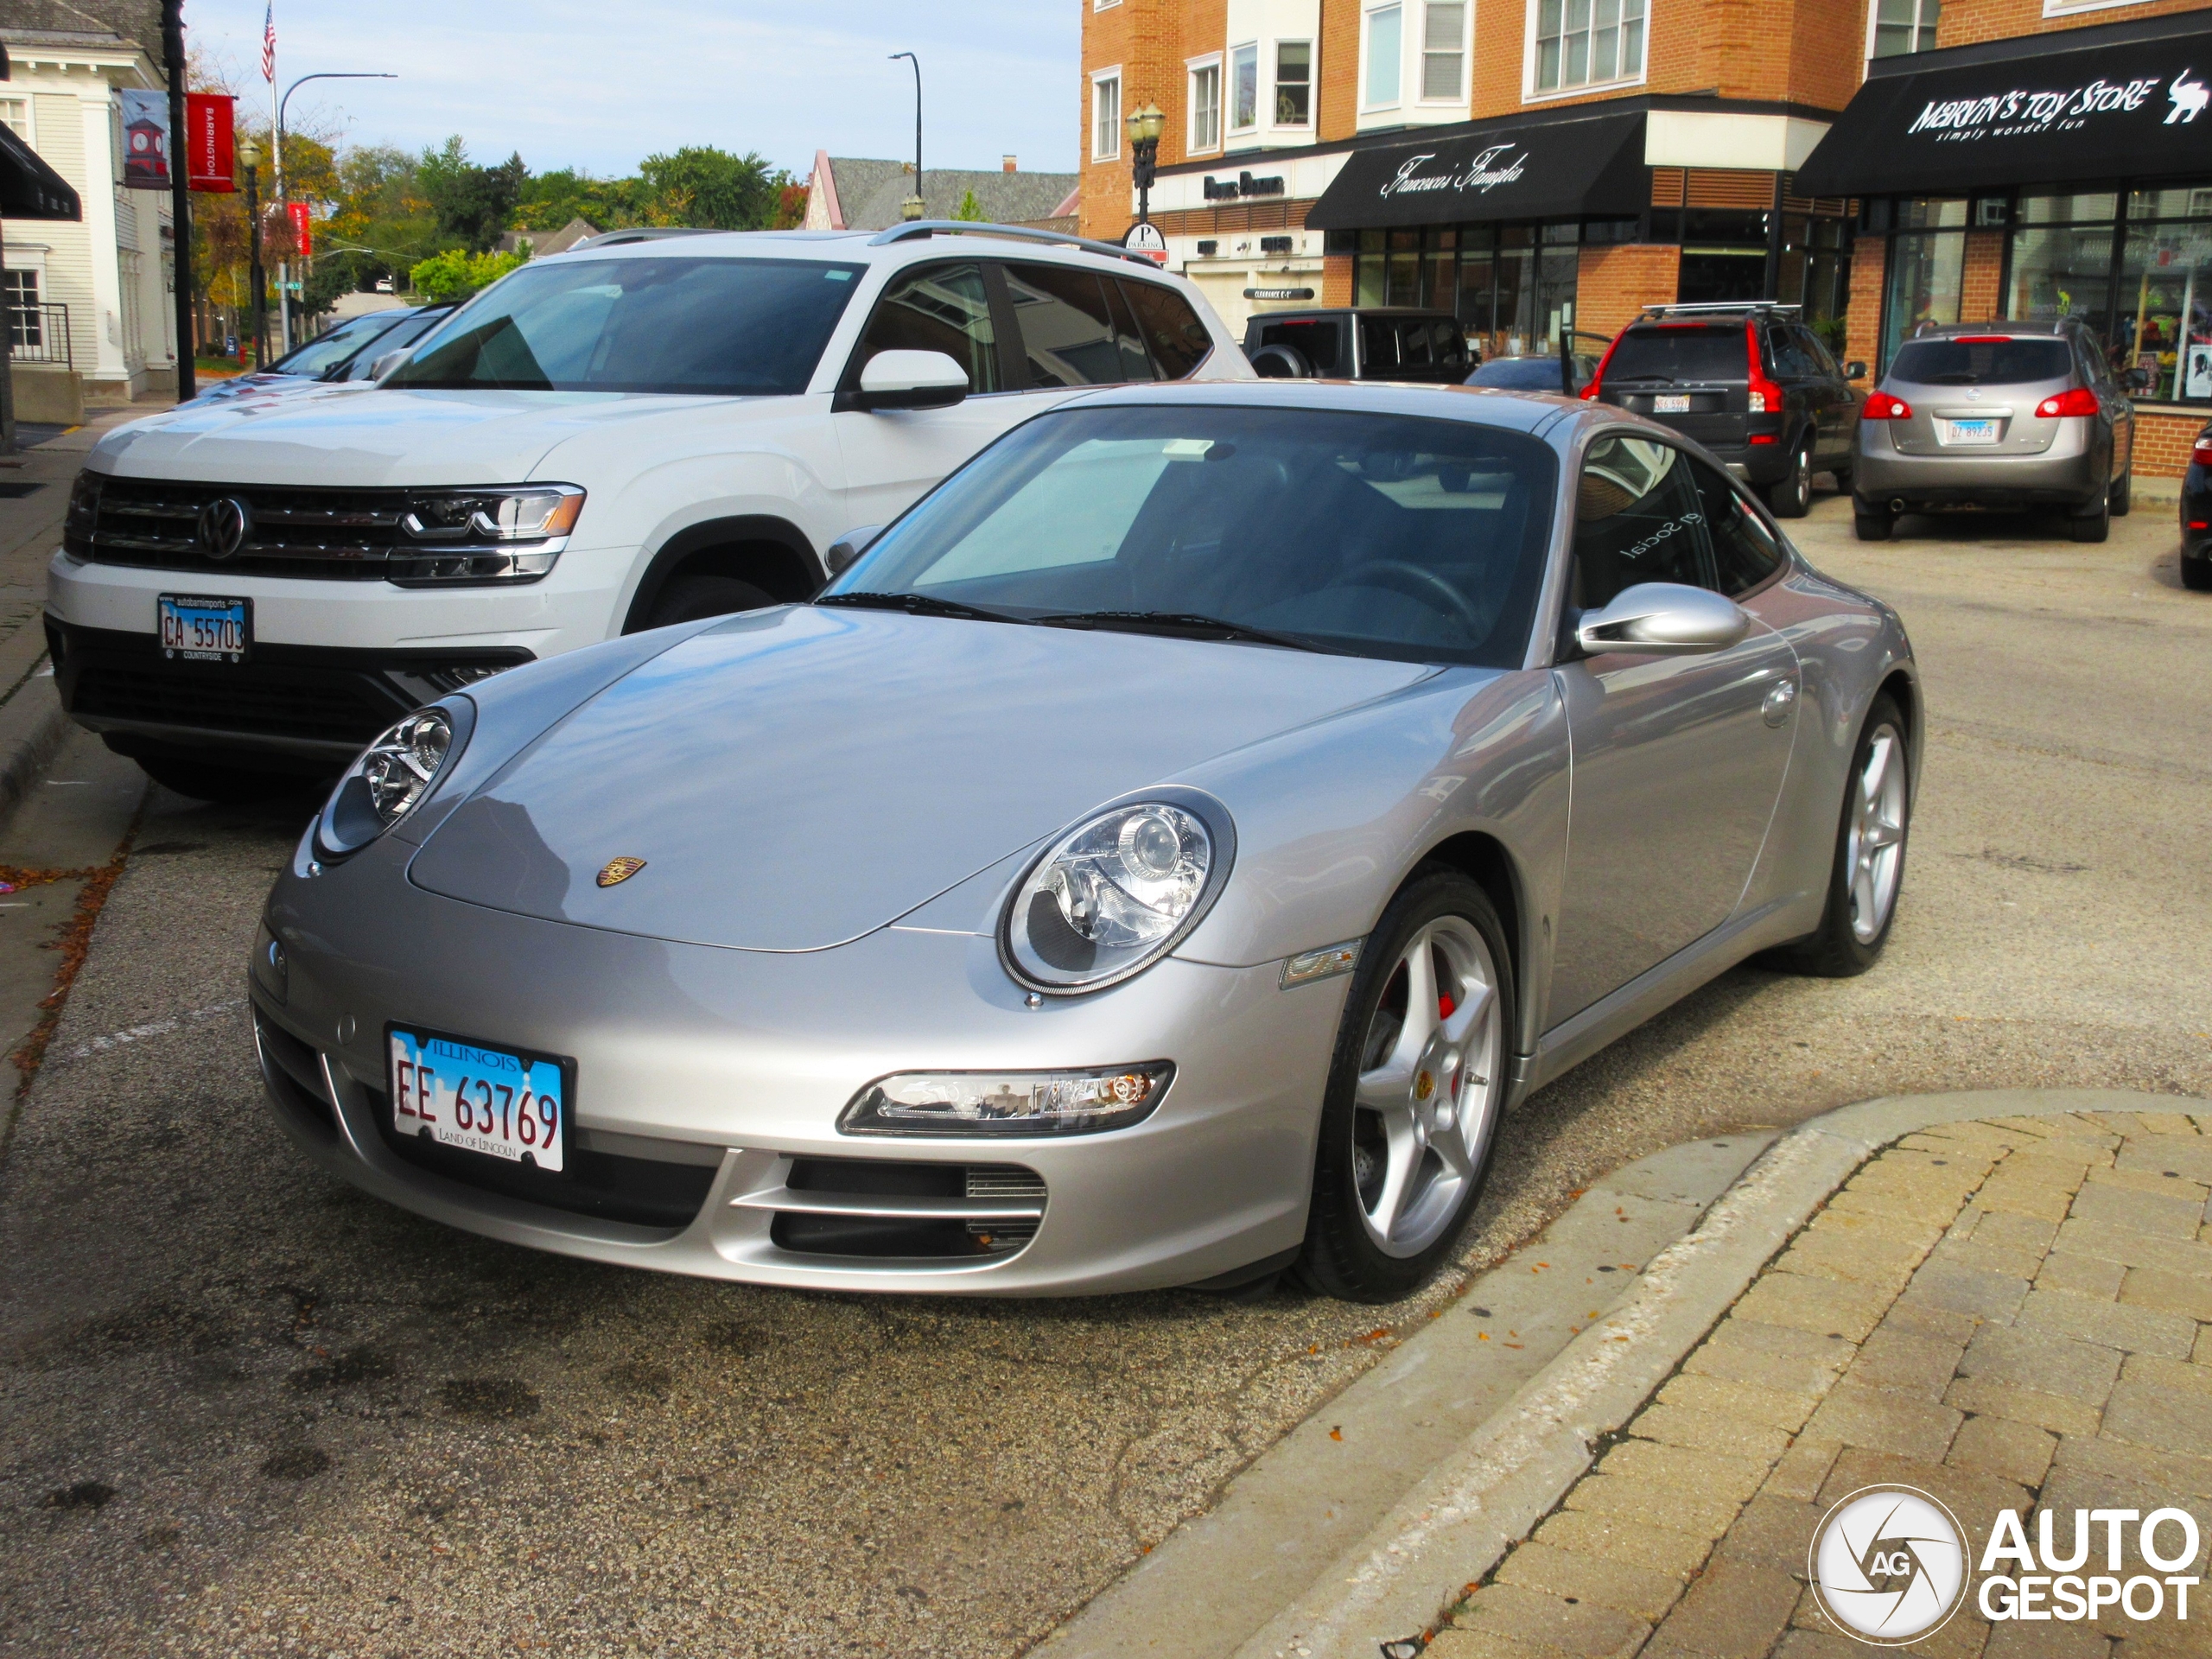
1721,305
645,234
921,227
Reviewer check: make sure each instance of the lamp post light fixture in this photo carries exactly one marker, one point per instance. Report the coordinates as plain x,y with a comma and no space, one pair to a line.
1145,123
248,154
912,208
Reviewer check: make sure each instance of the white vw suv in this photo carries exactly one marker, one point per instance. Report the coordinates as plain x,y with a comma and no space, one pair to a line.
647,430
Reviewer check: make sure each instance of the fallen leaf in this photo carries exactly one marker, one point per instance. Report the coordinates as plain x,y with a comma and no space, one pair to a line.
1338,1432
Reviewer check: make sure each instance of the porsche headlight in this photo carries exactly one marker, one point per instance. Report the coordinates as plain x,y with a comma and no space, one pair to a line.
1008,1102
1114,894
389,781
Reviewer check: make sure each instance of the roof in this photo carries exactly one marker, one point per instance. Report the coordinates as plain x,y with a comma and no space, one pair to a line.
542,243
84,22
1517,411
867,195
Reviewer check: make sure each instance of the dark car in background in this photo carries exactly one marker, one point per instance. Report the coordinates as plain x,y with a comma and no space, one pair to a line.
1359,343
349,351
2003,415
2197,516
1750,382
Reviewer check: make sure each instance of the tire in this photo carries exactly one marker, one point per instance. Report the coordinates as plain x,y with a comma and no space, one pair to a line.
2094,525
1844,945
1407,1107
2121,498
1871,526
690,599
2197,574
225,785
1792,497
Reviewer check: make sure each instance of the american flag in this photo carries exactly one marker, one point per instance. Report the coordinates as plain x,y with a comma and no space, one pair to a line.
269,44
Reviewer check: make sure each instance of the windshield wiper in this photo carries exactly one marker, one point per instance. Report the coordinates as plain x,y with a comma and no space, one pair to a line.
917,605
1185,622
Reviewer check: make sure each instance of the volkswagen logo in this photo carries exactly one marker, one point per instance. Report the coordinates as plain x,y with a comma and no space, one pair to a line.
224,523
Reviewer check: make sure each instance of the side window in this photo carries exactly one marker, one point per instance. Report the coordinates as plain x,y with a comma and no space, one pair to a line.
935,309
1824,363
1638,517
1067,328
1745,551
1136,363
1790,359
1378,347
1178,340
1412,342
1451,346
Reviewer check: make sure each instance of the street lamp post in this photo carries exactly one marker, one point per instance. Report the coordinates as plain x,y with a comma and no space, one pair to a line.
249,154
1146,123
173,60
283,266
912,206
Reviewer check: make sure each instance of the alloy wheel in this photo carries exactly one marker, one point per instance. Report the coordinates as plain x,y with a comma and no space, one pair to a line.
1430,1081
1876,849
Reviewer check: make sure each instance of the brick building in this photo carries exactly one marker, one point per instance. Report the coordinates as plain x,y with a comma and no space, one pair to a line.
1534,165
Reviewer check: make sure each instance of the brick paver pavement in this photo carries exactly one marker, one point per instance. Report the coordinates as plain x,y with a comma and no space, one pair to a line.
2008,1314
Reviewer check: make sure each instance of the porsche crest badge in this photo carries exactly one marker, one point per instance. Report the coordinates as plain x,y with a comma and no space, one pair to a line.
619,870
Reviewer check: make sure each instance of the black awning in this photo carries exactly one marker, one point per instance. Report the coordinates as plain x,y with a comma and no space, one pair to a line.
1572,166
2055,111
28,187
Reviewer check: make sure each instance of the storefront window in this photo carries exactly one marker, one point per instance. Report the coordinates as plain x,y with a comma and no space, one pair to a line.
2060,271
1436,277
2162,321
1370,272
1925,272
2096,206
1405,267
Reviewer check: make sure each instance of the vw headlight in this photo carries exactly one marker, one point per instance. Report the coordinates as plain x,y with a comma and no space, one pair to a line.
510,534
391,778
1117,892
1008,1102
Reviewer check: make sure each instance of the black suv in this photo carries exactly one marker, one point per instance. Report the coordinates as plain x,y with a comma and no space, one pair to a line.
1750,382
1359,343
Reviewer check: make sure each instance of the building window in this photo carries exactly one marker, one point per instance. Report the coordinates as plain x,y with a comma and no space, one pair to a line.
1205,107
1588,42
1244,88
1385,56
1106,116
1903,26
1294,83
1443,49
26,323
17,113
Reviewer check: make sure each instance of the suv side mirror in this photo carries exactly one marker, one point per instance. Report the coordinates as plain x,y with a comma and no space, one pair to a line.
386,363
2137,380
907,380
846,551
1663,619
1854,370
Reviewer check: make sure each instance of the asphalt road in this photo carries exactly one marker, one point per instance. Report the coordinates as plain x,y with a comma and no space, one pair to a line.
244,1410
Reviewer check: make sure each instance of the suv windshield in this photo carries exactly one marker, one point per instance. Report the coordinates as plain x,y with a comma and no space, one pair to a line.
1158,517
326,350
1677,353
1992,362
725,327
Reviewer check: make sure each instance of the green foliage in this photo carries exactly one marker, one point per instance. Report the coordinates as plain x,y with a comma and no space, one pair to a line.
969,208
713,189
456,273
472,203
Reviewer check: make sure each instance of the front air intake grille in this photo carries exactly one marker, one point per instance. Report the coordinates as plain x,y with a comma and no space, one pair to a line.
293,1073
874,1208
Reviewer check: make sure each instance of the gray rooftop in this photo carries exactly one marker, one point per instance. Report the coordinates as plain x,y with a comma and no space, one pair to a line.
871,192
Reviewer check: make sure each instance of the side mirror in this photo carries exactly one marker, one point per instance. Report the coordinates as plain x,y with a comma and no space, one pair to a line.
1663,619
846,551
1854,370
2137,380
907,380
386,363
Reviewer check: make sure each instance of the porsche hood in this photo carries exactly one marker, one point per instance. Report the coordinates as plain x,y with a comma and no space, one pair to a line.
792,779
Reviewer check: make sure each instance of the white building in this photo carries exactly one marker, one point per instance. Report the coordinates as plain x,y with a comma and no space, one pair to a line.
113,269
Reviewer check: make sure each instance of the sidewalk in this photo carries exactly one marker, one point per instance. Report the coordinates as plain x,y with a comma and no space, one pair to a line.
2007,1313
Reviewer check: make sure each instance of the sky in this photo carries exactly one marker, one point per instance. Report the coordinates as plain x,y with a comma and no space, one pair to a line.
601,85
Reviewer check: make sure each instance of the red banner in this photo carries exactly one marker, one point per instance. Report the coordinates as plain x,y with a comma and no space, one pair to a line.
302,234
209,163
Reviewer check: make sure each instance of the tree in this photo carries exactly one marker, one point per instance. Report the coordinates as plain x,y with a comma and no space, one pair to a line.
473,203
969,208
455,273
711,188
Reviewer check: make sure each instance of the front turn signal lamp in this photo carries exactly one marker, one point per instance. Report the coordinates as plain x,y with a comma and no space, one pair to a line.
1008,1102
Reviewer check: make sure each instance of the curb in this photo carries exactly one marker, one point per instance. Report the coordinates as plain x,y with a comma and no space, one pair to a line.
1476,1496
32,727
1453,1528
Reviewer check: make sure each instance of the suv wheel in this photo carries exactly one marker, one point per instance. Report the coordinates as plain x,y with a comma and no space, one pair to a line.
1793,496
1873,524
2121,495
2196,573
2096,524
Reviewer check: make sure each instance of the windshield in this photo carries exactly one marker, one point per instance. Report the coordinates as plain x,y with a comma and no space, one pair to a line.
1525,373
326,350
418,324
1676,355
725,327
1378,535
1990,362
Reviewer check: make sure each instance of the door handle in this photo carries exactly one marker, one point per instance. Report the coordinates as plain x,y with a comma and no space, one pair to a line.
1778,703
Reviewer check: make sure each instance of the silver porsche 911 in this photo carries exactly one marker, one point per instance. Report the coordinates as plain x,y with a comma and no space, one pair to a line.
1159,861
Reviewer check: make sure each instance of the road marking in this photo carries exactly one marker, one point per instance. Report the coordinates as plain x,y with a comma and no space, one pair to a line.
151,1028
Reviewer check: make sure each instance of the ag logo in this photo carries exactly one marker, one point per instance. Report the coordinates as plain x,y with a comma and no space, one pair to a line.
224,523
1889,1565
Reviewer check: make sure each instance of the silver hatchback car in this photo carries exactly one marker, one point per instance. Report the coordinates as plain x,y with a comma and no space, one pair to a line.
2007,415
